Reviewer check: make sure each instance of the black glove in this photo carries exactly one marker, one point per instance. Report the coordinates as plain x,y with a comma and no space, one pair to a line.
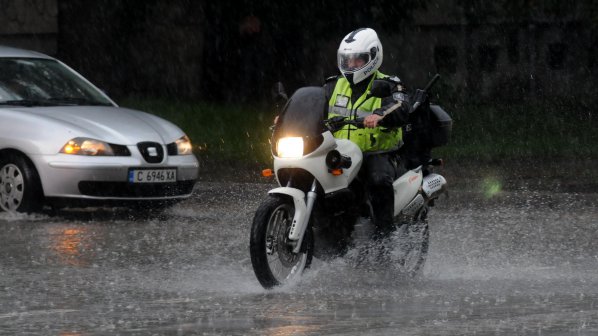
419,98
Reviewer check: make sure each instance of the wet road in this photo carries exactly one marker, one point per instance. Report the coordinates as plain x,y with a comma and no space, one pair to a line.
518,262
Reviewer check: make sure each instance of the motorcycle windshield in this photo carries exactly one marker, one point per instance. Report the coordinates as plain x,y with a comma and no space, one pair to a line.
302,117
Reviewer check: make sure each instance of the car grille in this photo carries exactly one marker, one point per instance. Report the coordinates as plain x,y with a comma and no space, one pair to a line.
171,149
125,189
152,152
120,150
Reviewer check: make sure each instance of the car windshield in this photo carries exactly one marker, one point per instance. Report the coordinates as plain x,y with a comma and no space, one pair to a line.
44,82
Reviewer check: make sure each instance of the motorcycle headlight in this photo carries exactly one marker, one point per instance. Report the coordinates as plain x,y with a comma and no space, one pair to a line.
183,146
291,147
86,146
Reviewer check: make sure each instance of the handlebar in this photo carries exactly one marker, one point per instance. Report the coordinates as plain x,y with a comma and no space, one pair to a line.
358,122
336,123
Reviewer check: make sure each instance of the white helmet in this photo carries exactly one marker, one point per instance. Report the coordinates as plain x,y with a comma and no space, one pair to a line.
359,55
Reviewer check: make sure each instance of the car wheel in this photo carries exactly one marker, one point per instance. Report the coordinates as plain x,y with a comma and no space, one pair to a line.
20,187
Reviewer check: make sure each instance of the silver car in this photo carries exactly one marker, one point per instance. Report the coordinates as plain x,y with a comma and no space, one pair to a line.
61,138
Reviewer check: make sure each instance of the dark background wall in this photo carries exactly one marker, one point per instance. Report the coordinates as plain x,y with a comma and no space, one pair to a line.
499,51
31,24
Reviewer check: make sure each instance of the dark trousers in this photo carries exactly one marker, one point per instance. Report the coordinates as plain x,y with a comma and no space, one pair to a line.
379,171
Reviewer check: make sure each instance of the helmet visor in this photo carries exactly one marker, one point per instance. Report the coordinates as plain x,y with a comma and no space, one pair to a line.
353,62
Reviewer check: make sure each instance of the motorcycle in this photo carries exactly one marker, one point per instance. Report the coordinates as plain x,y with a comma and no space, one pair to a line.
321,198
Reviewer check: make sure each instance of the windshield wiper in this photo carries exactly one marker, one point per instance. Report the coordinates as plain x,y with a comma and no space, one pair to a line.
76,101
25,102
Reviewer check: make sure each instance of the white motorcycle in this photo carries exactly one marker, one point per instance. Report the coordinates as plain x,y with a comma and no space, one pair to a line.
321,197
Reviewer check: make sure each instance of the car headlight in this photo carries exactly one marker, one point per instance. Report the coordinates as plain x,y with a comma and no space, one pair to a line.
86,146
291,147
183,146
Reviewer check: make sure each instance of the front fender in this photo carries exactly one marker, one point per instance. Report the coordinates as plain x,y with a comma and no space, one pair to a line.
300,216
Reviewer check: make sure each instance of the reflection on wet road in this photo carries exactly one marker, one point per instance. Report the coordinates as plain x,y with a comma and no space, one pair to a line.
511,263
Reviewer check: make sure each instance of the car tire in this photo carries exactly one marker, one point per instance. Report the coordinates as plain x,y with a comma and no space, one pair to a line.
20,186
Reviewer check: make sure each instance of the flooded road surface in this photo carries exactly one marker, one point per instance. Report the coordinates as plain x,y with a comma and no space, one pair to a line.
518,262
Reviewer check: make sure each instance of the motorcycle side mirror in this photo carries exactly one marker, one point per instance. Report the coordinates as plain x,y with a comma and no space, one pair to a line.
381,88
278,93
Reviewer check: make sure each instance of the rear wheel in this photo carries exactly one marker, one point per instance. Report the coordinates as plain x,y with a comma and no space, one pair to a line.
411,250
272,256
20,187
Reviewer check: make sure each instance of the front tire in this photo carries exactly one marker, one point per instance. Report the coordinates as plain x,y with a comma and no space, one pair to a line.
272,257
20,187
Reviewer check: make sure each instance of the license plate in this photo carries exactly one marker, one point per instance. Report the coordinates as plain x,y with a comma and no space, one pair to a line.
152,175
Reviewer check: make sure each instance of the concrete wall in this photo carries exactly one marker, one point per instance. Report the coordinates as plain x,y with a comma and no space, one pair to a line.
541,56
29,24
168,48
127,48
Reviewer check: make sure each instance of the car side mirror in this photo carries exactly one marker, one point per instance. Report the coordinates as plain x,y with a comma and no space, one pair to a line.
381,88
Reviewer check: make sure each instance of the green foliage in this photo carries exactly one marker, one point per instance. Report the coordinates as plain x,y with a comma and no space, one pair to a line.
493,132
239,135
220,134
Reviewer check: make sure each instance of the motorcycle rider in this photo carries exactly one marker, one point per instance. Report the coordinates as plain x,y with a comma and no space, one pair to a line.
359,58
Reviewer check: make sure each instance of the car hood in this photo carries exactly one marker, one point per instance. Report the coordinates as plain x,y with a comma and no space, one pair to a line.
111,124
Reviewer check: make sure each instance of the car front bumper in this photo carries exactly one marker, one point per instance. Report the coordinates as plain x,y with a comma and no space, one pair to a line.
106,178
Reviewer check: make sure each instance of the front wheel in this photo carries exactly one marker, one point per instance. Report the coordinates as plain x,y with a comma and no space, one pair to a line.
272,256
20,187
